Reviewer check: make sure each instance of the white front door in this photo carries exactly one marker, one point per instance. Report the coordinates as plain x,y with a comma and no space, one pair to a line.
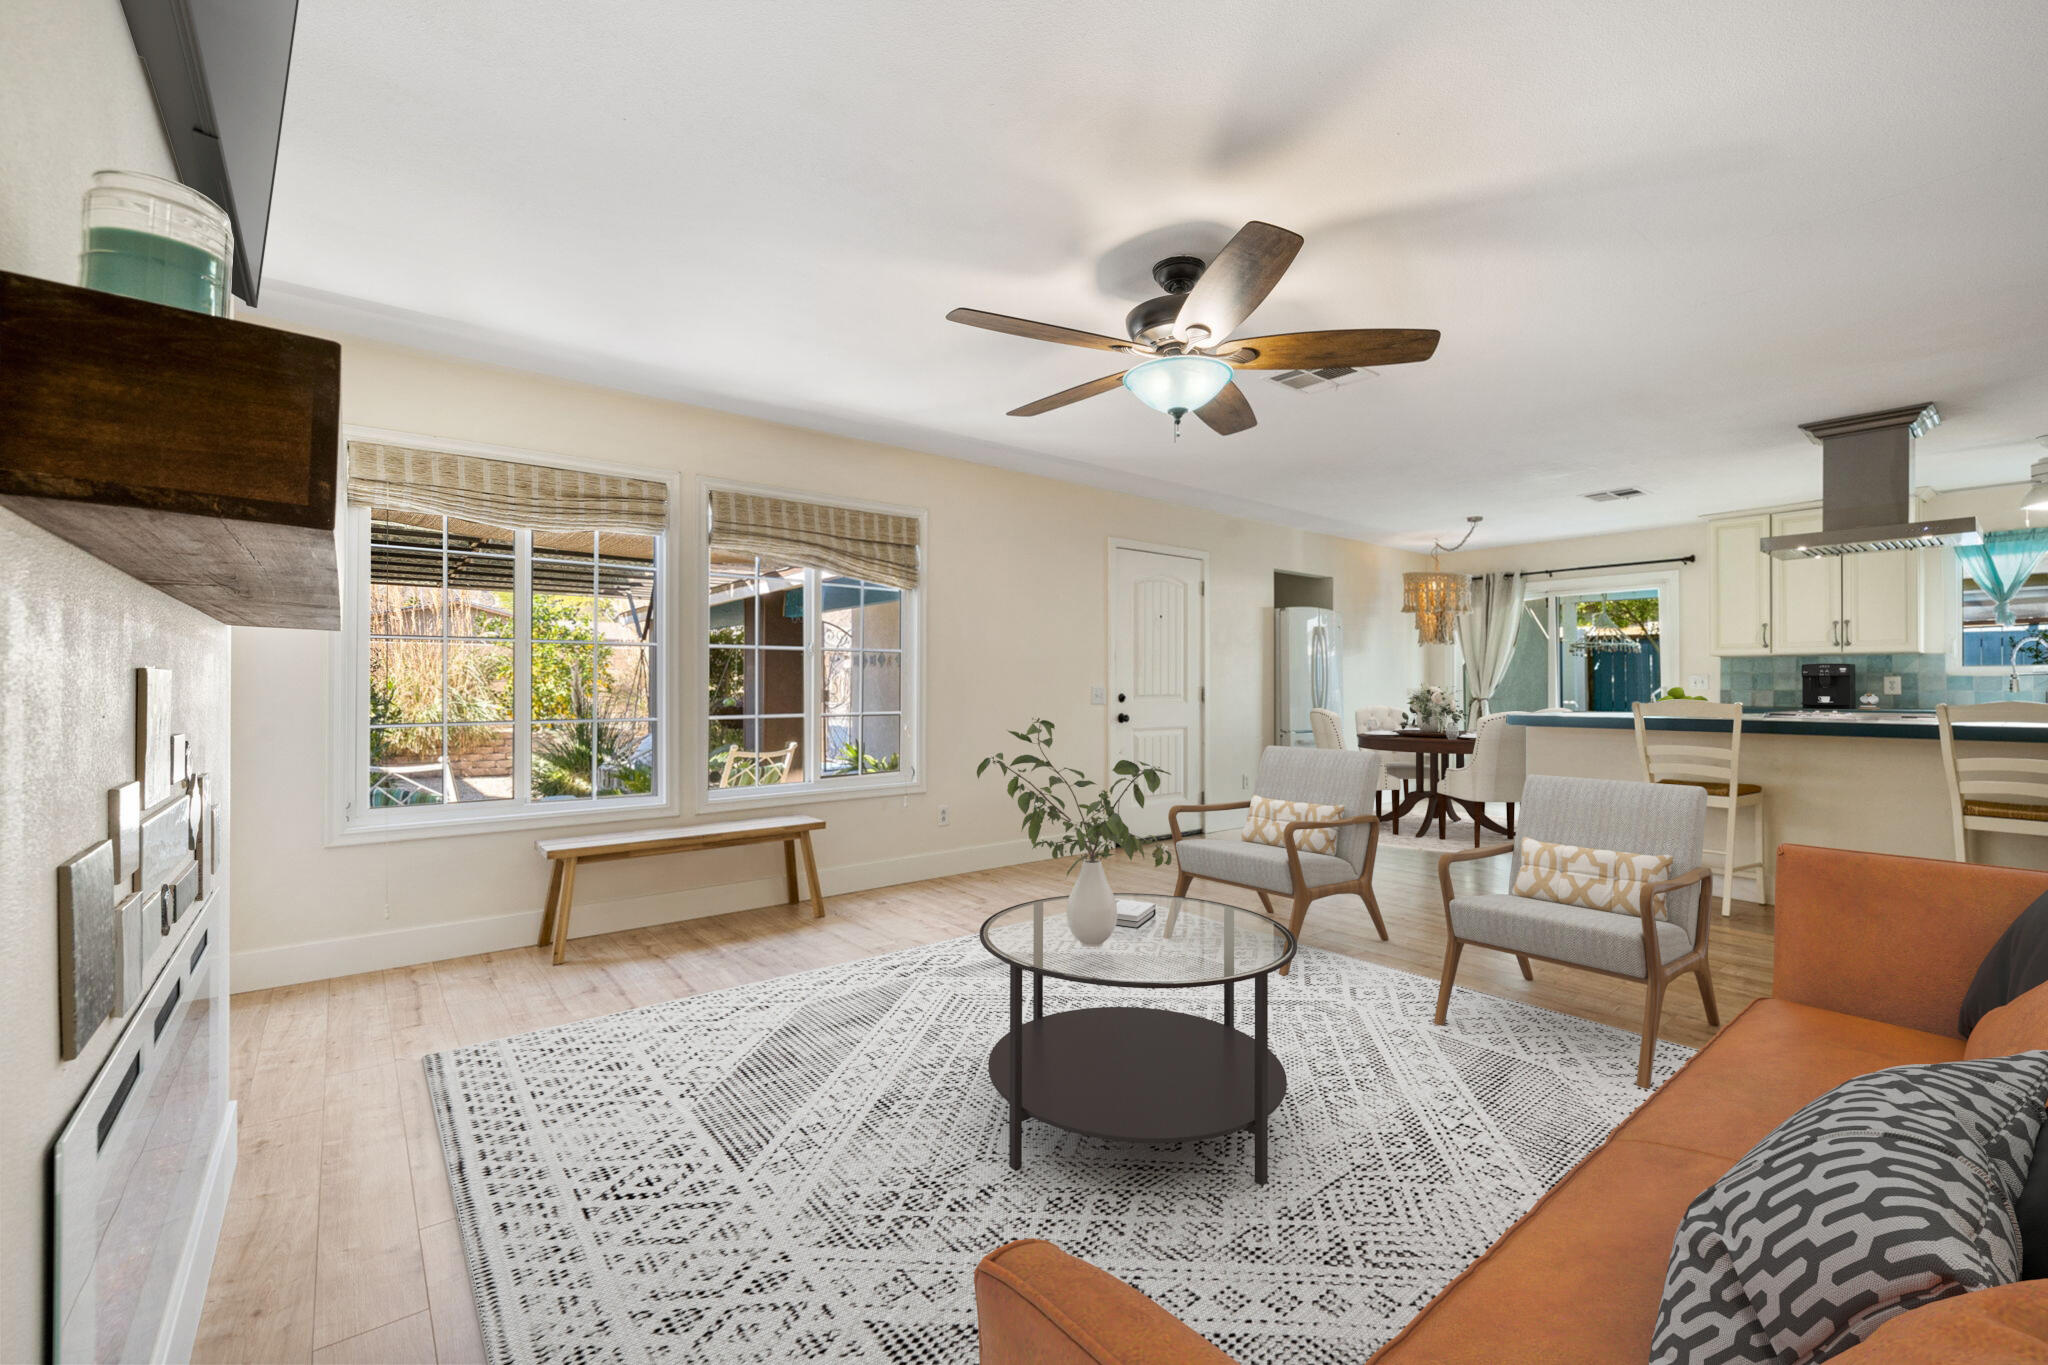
1155,676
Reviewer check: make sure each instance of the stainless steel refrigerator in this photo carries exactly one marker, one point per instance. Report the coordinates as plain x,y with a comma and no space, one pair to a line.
1308,671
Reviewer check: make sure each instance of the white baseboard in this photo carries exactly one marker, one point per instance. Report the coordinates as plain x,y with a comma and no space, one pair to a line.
261,968
195,1266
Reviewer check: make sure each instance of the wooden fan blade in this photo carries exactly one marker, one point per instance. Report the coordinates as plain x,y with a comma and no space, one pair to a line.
1228,412
1360,348
1073,395
1236,282
1040,331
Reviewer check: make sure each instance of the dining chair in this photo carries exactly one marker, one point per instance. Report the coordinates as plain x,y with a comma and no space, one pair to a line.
1696,758
1398,772
1328,729
1494,773
1992,793
1345,778
1590,812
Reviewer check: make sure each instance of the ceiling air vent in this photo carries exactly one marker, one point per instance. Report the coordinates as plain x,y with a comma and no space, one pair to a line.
1613,494
1327,378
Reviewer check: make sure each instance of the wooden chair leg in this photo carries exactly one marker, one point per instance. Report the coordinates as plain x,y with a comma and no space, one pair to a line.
1511,819
1653,1009
1707,996
1477,811
1372,907
562,904
1452,951
1265,901
1728,859
547,918
1294,922
789,869
1527,975
811,869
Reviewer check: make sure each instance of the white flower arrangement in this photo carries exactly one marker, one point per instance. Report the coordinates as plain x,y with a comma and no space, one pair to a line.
1432,706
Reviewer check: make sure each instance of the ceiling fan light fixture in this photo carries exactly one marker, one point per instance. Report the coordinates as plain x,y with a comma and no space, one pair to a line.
1178,384
2036,498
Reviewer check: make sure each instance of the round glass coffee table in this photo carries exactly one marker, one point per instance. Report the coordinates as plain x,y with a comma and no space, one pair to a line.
1139,1075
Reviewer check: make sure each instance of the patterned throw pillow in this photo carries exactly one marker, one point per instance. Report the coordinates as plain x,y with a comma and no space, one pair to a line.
1597,878
1268,818
1890,1191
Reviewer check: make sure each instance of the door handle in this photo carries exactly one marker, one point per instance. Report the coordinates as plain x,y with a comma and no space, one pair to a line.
1122,718
1845,632
1121,699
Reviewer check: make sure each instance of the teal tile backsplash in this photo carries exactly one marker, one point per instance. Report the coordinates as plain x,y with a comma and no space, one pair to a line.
1924,680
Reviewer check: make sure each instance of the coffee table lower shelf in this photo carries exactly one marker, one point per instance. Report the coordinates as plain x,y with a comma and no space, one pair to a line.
1139,1075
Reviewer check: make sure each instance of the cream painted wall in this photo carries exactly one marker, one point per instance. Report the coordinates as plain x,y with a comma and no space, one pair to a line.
1016,628
72,629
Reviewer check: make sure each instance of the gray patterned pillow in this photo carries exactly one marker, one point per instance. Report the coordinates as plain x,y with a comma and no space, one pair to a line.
1892,1190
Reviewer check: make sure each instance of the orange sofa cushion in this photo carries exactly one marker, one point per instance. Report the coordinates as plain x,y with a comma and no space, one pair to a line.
1036,1305
2016,1026
1773,1060
2008,1324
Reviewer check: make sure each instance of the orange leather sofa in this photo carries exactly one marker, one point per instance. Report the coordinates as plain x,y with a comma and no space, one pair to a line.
1873,955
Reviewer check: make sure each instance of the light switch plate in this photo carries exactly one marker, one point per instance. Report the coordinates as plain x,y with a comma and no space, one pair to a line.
1095,697
1697,683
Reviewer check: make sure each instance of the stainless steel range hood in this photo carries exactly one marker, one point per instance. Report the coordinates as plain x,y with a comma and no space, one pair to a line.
1866,489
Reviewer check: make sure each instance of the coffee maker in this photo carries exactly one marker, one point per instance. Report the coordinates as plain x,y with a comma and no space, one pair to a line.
1827,687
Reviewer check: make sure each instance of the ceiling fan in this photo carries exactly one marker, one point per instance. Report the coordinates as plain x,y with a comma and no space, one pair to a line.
1185,335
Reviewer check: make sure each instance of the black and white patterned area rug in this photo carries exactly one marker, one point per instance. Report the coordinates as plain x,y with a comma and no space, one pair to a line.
809,1168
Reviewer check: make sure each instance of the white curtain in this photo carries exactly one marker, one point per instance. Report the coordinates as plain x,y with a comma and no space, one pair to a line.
1486,634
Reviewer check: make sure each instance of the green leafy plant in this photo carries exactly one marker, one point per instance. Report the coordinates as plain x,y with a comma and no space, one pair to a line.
853,758
564,760
1067,814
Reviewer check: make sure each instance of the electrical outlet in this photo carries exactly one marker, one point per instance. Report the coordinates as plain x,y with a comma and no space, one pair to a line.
1244,782
945,815
1095,697
1697,683
1893,685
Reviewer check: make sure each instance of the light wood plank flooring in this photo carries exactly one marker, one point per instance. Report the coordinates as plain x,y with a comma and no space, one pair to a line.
340,1243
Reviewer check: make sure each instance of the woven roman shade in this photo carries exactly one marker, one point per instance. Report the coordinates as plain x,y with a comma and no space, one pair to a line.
503,492
880,547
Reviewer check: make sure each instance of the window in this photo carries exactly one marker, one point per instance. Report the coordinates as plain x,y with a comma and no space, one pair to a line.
1591,645
1988,644
809,666
498,672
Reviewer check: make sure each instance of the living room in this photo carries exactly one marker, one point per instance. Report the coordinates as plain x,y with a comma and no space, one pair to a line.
572,797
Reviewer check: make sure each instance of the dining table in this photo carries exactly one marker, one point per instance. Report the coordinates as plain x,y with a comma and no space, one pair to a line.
1435,752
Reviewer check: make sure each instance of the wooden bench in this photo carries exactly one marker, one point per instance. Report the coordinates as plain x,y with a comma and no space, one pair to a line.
791,831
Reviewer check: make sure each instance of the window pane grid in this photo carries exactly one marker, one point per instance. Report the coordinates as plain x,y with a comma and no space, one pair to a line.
465,669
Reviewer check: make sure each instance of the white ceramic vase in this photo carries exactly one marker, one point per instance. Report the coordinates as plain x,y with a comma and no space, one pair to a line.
1091,905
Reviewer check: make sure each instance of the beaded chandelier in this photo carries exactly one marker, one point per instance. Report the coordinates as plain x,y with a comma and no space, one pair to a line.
1435,598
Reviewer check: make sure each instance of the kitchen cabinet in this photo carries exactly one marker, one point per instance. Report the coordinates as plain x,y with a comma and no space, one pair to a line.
1871,603
1740,574
1806,594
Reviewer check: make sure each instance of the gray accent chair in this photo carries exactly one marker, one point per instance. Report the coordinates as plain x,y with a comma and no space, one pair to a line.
1628,817
1327,777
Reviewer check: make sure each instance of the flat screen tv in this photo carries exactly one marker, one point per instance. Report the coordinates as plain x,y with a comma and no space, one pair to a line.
217,69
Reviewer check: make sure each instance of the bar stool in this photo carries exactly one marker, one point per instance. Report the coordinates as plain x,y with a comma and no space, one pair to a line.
1694,762
2012,796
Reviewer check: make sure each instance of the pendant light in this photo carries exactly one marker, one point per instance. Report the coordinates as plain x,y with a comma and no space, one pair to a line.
2036,499
1435,598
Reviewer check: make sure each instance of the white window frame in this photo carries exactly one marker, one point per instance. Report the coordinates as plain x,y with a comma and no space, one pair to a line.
350,817
1952,626
694,716
1669,670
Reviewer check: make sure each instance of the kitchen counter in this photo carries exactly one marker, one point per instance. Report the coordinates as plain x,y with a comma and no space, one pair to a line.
1834,724
1832,779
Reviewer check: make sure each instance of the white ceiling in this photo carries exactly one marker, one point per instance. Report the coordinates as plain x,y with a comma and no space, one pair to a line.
1655,237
